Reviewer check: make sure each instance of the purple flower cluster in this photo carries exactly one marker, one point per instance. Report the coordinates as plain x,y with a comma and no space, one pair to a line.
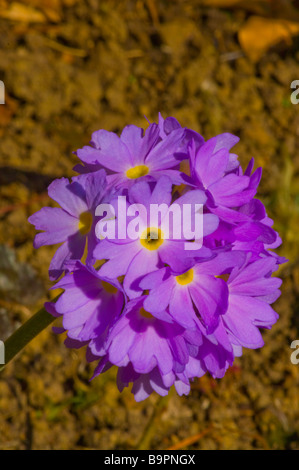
161,314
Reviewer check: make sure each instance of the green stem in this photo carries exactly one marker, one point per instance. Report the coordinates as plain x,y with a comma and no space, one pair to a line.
26,333
153,423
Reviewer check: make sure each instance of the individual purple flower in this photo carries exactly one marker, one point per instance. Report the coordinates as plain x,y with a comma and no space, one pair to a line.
251,290
140,256
257,225
146,341
170,124
89,305
148,351
253,233
194,297
221,141
73,223
225,190
256,235
135,154
213,354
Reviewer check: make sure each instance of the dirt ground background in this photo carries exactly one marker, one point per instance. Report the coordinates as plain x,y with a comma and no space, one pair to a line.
71,67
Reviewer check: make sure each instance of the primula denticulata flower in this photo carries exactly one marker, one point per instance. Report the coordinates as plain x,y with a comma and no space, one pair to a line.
161,314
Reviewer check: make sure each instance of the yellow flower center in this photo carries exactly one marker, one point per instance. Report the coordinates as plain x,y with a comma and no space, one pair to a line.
137,171
151,238
145,314
186,278
109,287
85,222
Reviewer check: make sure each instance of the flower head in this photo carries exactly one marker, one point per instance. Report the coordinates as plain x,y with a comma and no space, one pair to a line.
150,296
134,155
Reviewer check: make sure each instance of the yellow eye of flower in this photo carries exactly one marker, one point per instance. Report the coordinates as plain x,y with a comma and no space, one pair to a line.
137,171
109,287
145,314
151,238
186,278
85,222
